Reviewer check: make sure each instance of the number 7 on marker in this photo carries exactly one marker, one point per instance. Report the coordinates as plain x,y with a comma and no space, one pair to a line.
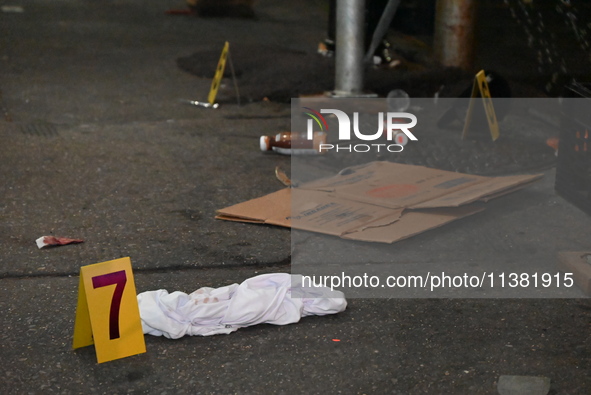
119,279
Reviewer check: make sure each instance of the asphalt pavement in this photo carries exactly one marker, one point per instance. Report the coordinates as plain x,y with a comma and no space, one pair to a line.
98,143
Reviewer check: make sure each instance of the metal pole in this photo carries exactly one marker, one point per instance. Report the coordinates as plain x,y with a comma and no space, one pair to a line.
454,32
382,28
349,47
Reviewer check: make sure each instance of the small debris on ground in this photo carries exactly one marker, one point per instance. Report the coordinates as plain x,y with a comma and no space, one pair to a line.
282,177
49,241
12,9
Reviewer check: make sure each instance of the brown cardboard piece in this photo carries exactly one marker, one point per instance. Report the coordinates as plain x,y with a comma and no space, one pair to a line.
379,201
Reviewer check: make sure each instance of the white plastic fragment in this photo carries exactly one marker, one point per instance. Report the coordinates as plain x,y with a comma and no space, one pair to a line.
264,299
40,242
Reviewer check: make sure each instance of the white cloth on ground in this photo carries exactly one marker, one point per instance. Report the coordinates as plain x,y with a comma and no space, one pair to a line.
264,299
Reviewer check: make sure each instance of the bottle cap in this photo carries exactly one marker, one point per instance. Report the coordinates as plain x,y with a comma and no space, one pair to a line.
400,138
265,143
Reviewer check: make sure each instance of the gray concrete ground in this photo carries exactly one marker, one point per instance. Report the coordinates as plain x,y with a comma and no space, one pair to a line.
96,145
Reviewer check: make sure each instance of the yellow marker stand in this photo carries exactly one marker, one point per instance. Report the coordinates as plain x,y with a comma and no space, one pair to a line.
219,72
107,314
480,88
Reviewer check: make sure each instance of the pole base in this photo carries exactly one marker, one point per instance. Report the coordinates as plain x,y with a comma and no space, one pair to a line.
349,95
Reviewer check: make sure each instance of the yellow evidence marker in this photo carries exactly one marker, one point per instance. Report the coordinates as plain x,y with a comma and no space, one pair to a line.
219,72
480,88
107,314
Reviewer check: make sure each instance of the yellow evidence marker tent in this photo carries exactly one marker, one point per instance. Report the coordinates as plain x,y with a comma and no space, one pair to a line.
219,72
107,314
480,88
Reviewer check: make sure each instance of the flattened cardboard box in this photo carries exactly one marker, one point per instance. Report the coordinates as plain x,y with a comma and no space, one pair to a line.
379,201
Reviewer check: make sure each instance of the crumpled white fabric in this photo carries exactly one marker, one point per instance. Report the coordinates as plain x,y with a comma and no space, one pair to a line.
264,299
